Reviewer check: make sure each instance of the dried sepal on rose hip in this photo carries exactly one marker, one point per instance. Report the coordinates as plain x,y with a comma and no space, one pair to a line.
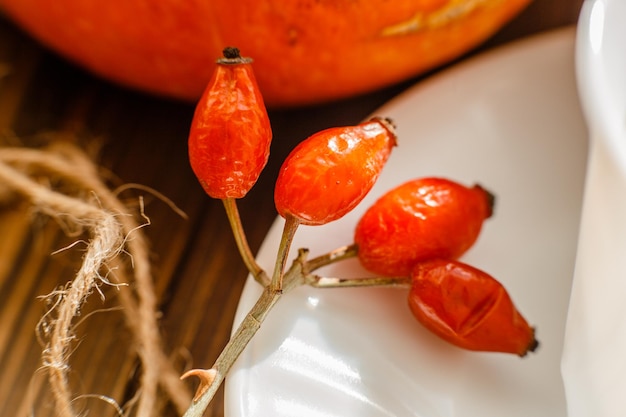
468,308
421,219
230,135
330,172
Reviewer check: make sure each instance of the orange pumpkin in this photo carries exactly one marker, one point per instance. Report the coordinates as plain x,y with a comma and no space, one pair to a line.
305,51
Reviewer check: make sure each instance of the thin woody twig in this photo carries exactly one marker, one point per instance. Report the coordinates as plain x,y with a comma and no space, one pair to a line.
344,252
331,282
339,254
240,339
232,212
300,273
211,379
289,231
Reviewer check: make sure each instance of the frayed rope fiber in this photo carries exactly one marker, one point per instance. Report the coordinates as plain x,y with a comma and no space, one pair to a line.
112,230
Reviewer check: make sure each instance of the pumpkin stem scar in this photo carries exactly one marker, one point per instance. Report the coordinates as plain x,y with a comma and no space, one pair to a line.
453,11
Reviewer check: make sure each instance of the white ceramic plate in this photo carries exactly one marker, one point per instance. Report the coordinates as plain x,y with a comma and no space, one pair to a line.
509,119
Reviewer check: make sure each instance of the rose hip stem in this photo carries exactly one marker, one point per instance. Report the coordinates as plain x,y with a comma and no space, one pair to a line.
300,273
289,230
211,379
232,212
340,254
214,377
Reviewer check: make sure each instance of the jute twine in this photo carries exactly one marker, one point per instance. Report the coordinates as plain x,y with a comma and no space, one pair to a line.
113,232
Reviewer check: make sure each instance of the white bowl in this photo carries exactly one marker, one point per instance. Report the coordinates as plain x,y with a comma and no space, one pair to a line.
594,355
601,72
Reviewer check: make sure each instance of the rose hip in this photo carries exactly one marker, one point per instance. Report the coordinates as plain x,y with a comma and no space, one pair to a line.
418,220
229,140
468,308
330,172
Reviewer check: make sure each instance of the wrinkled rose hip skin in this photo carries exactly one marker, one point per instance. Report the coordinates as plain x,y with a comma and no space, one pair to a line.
229,140
468,308
418,220
330,172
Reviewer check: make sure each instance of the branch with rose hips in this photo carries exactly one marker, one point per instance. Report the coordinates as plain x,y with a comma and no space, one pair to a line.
411,237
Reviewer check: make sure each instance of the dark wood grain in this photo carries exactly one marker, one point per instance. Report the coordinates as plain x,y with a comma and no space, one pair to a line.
142,139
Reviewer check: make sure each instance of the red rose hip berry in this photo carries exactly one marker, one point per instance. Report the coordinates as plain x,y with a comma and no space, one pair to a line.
230,135
418,220
330,172
468,308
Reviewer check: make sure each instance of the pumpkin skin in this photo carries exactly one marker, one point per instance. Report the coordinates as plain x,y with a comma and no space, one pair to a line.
305,51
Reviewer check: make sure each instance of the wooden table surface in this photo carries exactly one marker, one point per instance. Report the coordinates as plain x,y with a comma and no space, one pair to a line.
142,139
